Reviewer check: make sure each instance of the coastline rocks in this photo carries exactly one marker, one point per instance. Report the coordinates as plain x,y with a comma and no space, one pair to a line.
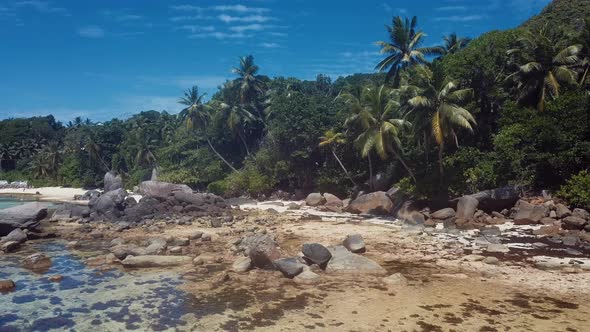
10,246
466,207
153,261
110,204
289,267
112,181
316,253
7,285
17,235
26,216
343,261
562,211
581,213
315,199
162,190
497,199
527,213
573,223
242,264
354,243
262,250
156,246
333,201
443,214
373,203
37,262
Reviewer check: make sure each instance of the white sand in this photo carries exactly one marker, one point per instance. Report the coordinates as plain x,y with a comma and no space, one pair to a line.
48,193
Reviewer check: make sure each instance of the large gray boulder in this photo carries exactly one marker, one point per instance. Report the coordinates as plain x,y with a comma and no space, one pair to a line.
373,203
573,223
112,181
261,249
26,216
332,200
466,207
189,198
581,213
562,211
527,213
315,199
161,190
110,204
152,261
316,253
343,261
497,199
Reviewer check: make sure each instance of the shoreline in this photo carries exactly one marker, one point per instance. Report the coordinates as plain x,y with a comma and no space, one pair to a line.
51,194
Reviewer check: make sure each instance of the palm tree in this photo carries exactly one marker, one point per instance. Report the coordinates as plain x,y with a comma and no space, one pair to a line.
436,103
453,43
94,151
585,52
250,84
404,47
541,63
144,146
197,116
329,140
236,119
375,115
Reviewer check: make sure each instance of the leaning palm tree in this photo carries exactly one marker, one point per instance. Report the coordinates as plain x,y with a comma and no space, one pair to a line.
379,127
436,103
453,43
236,119
403,48
330,140
542,63
197,116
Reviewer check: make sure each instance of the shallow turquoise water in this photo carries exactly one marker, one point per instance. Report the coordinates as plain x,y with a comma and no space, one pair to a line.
88,299
6,202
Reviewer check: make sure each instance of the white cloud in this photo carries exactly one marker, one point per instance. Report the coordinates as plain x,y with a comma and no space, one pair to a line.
241,9
91,31
460,18
247,19
250,27
221,35
451,8
270,45
187,8
197,28
42,6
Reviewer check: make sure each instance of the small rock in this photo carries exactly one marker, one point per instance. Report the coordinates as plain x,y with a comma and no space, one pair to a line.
37,261
195,235
215,222
197,261
354,243
179,242
242,264
117,242
17,235
315,199
73,244
56,278
316,253
496,247
562,211
175,250
443,214
206,237
491,260
307,277
395,280
7,285
290,267
293,206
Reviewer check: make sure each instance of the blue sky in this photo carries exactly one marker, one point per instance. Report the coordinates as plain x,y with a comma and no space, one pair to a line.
113,58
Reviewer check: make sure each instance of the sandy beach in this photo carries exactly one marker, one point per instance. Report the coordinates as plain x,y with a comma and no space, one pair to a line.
59,194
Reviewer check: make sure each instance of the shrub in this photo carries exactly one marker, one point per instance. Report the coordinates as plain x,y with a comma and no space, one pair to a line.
577,190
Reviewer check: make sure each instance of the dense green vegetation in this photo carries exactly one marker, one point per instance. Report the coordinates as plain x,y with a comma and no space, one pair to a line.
509,107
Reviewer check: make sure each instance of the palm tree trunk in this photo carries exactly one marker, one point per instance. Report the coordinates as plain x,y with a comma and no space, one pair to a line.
220,157
244,141
405,166
343,168
370,171
440,162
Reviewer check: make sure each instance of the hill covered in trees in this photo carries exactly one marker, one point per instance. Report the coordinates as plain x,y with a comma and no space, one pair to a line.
507,108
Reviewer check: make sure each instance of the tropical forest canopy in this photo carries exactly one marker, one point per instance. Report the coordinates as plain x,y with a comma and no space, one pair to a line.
508,108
